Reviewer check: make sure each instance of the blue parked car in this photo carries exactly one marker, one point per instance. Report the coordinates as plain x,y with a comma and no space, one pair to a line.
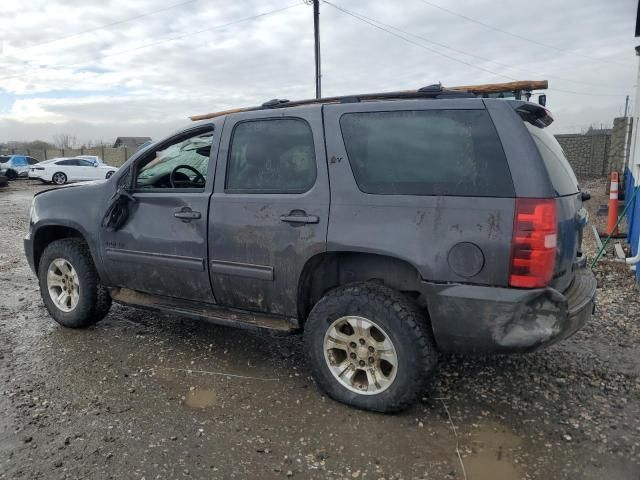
14,166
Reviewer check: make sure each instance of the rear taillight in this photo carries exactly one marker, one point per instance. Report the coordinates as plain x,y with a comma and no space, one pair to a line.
533,247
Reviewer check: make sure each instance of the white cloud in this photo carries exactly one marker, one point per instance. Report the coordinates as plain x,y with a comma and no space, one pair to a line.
131,90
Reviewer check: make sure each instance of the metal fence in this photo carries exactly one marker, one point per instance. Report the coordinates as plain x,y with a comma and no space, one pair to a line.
111,156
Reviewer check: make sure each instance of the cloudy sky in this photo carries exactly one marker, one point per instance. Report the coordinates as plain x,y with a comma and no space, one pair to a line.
100,69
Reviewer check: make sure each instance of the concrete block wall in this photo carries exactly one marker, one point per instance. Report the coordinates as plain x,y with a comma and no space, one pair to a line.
587,154
620,144
598,153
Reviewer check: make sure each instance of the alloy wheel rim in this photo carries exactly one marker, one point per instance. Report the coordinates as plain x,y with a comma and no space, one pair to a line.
58,178
360,355
63,284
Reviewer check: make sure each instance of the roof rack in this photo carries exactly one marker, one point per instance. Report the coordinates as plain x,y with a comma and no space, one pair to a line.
435,91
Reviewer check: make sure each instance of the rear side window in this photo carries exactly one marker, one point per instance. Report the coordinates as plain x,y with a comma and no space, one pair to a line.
426,152
4,159
271,156
562,177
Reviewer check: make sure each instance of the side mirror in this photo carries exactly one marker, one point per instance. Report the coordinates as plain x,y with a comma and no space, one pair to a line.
542,100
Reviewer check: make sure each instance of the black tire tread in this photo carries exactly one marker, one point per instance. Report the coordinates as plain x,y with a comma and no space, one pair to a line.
392,303
100,300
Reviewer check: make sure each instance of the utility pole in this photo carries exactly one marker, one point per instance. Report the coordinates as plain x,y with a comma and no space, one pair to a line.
316,36
626,106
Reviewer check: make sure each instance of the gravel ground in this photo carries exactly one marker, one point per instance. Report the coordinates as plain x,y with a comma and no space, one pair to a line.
146,396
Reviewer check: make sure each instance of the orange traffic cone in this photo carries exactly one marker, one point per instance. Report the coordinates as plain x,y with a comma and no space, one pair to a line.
613,205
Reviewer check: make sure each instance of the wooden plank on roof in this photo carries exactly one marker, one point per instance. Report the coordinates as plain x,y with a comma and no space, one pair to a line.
524,85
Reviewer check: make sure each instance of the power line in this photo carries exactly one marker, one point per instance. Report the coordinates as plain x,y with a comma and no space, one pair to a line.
504,65
373,24
515,35
170,39
376,24
109,25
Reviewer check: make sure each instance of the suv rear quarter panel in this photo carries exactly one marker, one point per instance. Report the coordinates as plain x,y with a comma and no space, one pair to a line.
530,178
422,230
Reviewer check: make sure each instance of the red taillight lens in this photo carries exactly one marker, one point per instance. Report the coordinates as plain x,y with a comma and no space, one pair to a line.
533,247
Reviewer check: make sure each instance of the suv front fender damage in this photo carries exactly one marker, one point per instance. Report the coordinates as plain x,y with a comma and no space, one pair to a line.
479,319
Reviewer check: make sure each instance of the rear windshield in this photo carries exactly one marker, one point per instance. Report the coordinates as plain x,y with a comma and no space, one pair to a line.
426,152
563,179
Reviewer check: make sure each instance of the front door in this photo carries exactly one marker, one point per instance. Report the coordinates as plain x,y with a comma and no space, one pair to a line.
270,208
162,247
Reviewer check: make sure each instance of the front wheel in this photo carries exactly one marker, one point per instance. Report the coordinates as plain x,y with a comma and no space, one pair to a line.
59,178
108,175
70,286
11,175
370,346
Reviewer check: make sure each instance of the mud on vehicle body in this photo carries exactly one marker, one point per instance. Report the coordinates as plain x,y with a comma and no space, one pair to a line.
387,231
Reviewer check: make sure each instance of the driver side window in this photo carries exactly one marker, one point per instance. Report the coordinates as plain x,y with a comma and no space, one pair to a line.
180,164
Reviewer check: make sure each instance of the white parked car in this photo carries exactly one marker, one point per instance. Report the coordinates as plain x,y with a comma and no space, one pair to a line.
63,170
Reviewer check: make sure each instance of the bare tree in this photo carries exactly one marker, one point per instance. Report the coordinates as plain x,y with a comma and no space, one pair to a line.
64,140
96,143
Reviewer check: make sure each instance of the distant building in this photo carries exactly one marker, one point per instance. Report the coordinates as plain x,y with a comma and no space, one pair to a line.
131,142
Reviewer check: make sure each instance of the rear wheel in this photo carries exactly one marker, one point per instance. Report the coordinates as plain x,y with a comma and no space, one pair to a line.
70,286
11,175
370,346
108,175
59,178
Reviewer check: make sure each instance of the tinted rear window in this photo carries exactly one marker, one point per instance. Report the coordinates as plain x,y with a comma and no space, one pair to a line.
271,156
560,172
426,152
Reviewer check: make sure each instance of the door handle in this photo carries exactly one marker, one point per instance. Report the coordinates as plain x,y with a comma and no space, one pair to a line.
186,214
298,216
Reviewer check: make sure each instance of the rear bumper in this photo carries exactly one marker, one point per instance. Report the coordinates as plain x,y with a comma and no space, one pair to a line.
478,319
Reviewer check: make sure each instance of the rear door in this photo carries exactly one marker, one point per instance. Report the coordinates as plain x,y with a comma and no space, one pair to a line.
270,208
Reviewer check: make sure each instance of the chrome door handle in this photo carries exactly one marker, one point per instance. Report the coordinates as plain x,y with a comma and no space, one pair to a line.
299,218
186,214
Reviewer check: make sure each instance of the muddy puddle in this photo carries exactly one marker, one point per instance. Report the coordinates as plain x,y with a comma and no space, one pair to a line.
493,450
201,398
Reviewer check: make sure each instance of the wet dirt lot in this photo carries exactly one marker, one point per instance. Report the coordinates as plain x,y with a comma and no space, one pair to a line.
142,395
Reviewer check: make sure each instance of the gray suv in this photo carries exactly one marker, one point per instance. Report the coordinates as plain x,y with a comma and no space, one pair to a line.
385,230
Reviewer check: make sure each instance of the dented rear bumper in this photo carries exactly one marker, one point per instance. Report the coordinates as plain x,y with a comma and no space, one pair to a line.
479,319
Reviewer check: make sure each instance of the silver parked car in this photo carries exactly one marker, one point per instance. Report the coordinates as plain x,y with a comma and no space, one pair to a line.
14,166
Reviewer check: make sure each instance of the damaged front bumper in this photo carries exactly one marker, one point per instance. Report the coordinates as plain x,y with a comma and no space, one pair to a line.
479,319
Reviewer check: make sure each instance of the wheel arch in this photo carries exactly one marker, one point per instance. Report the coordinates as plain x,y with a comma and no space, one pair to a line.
328,270
48,233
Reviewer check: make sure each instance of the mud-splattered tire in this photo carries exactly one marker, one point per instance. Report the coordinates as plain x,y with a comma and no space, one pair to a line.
370,323
91,300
